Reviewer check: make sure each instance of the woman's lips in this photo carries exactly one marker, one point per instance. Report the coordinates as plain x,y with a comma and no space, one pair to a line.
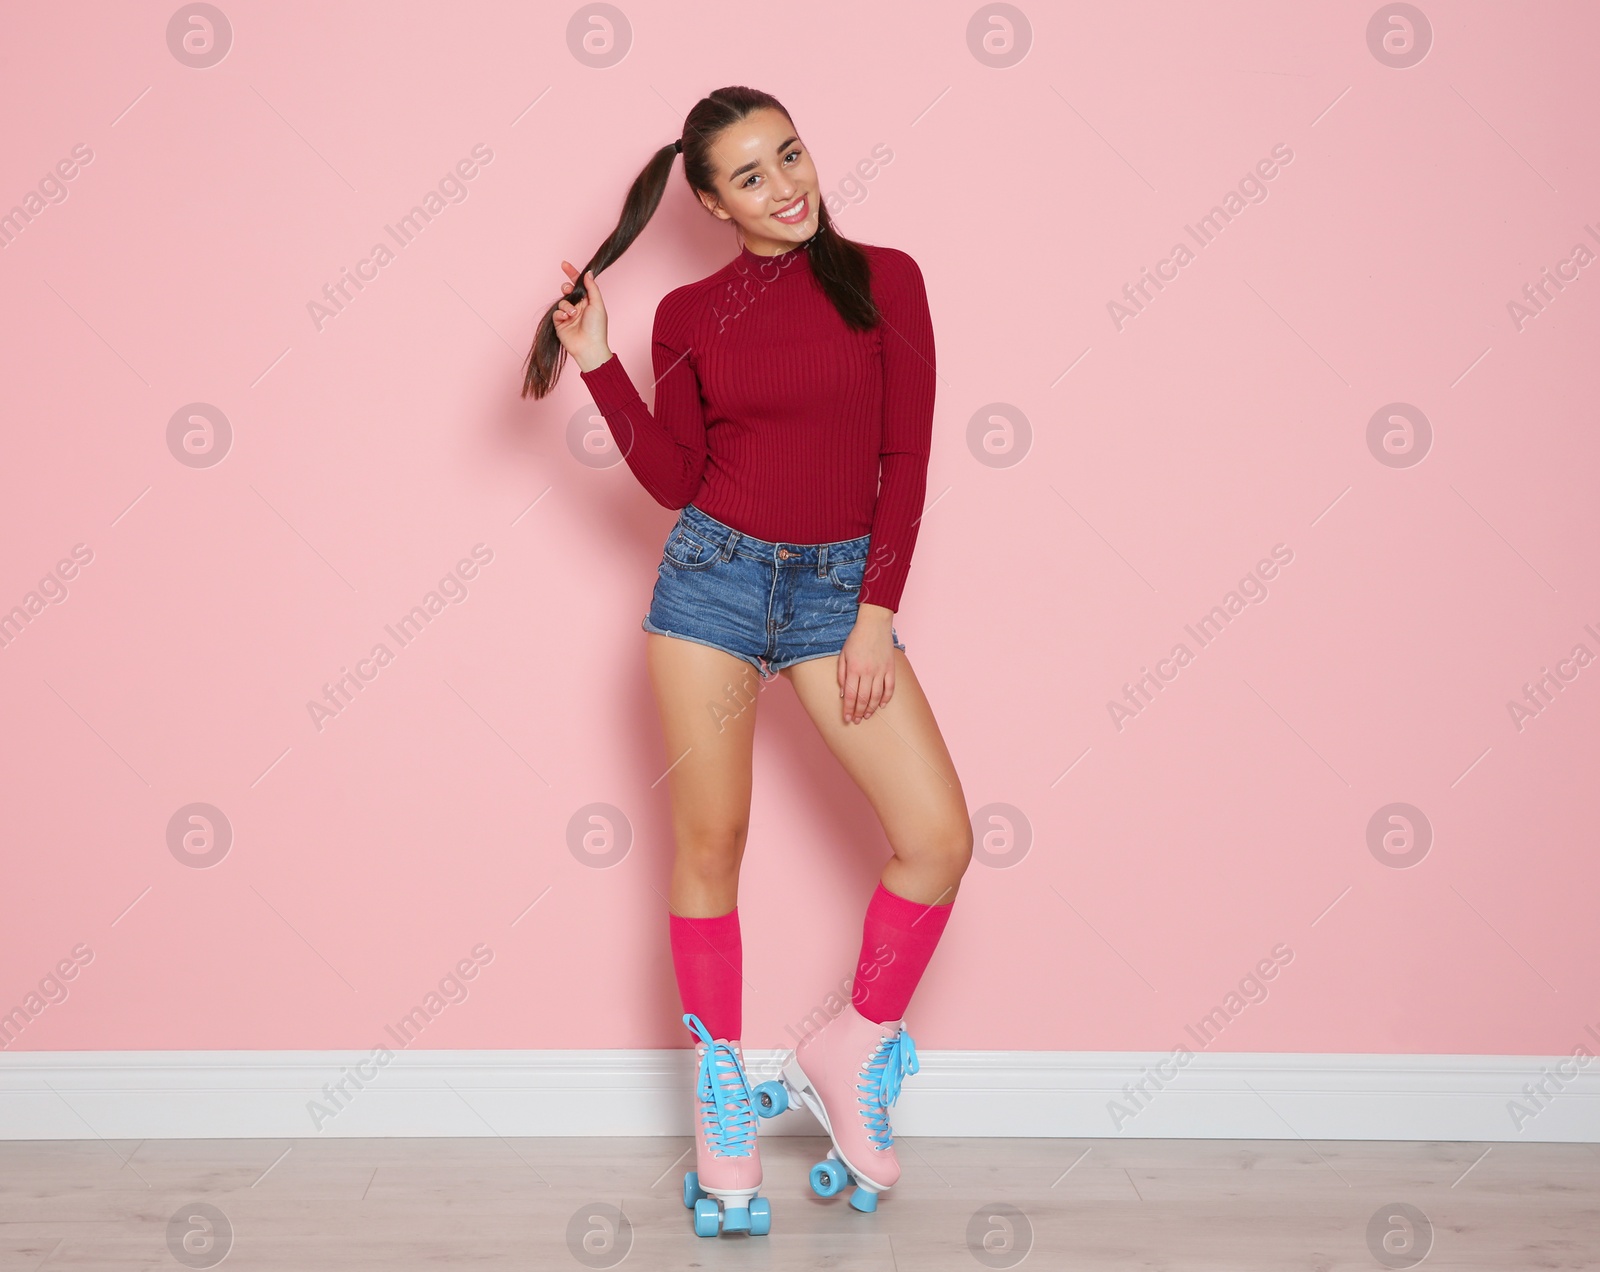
800,209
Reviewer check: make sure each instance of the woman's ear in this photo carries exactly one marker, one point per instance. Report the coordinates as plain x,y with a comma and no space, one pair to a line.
710,204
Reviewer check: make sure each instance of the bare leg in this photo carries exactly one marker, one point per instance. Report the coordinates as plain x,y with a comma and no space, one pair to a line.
707,702
898,758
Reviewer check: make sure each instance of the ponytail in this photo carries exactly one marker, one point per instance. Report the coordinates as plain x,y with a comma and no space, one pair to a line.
548,354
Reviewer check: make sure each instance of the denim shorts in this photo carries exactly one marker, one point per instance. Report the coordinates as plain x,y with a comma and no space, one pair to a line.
771,604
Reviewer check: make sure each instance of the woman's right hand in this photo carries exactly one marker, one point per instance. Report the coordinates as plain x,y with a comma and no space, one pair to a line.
581,328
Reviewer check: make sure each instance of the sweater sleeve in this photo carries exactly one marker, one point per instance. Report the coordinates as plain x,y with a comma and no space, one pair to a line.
666,450
908,391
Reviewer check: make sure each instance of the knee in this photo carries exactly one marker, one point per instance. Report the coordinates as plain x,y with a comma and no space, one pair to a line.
712,850
944,848
958,851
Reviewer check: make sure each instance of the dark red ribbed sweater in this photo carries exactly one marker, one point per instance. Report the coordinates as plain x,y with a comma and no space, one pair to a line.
775,417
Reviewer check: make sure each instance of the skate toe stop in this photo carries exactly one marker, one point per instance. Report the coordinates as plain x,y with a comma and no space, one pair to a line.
864,1201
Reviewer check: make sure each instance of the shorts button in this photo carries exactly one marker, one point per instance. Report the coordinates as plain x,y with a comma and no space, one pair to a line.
784,552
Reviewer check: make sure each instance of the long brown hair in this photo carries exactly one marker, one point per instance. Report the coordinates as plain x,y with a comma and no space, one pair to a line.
840,265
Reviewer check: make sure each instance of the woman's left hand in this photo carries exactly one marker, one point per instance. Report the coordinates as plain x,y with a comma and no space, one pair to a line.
866,664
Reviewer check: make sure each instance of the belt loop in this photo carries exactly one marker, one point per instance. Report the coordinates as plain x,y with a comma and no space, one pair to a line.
727,548
822,561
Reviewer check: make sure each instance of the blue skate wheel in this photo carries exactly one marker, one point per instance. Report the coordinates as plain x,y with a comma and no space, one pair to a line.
864,1201
771,1099
829,1178
691,1189
760,1216
707,1218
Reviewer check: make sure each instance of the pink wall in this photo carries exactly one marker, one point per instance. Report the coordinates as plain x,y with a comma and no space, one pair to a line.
371,453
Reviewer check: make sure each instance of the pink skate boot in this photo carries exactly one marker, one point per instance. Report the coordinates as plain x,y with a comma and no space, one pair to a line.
727,1162
847,1074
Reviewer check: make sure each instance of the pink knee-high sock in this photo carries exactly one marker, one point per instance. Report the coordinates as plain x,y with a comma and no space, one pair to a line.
897,940
708,958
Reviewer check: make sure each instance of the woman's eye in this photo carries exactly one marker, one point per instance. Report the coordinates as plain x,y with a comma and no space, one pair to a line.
746,182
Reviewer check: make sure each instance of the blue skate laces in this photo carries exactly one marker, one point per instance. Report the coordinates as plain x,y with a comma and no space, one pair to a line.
726,1110
893,1060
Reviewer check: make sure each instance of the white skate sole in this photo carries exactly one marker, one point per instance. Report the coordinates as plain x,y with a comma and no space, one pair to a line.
732,1199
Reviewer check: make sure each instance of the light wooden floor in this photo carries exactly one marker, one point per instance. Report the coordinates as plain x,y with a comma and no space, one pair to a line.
1223,1205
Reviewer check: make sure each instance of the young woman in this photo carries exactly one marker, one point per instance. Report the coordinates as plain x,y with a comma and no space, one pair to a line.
793,415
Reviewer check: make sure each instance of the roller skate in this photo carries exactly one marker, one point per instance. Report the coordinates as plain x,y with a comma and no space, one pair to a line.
848,1073
722,1188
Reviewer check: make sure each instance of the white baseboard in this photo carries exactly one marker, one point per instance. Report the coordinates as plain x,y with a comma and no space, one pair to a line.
132,1095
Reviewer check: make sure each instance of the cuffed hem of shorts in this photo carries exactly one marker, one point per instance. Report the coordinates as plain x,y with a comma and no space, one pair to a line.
829,653
767,673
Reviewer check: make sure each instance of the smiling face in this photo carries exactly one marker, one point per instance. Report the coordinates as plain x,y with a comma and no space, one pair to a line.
763,170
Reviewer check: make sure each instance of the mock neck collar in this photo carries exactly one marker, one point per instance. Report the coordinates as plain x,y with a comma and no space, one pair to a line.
797,257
